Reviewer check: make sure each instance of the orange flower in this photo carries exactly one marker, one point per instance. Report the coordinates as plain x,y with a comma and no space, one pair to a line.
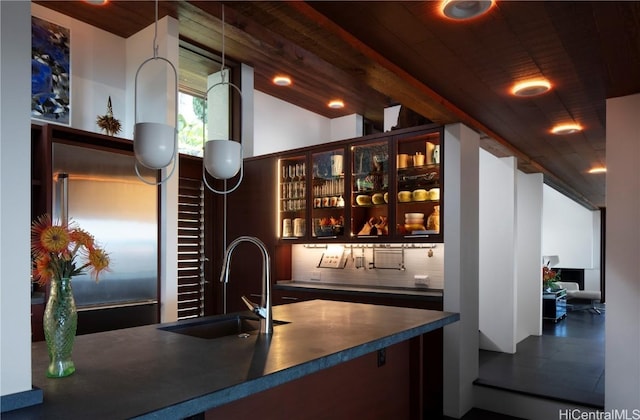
61,251
45,237
42,272
99,261
82,237
55,239
549,275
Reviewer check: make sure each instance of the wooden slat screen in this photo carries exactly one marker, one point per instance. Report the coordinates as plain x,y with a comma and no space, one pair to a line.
190,248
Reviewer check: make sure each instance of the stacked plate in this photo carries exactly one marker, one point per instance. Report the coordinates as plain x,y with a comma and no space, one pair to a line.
413,221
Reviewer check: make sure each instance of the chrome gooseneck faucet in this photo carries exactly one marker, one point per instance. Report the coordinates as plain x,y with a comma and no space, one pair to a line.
263,311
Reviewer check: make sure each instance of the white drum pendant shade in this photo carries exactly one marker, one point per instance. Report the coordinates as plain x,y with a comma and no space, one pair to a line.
222,158
154,144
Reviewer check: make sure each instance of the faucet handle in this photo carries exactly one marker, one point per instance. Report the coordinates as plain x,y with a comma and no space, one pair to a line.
255,308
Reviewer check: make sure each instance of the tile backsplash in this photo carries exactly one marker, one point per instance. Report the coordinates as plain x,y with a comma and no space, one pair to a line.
419,260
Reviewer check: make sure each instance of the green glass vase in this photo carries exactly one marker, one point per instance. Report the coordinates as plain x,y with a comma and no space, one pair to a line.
60,322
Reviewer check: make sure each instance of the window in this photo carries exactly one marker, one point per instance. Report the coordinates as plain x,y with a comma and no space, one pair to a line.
192,116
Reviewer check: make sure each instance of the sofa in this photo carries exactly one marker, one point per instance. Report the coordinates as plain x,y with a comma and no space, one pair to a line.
574,294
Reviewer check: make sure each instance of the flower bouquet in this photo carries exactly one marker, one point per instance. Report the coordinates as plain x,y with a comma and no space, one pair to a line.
59,252
549,278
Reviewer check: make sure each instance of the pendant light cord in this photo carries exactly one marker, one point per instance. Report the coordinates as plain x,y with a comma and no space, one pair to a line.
224,248
224,200
155,34
222,64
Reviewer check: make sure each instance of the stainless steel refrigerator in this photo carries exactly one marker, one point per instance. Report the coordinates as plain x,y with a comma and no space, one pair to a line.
99,190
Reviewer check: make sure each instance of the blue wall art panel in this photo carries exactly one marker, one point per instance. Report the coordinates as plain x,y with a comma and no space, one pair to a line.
50,71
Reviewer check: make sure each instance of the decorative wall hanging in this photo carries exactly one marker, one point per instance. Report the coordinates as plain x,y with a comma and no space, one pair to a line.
50,72
107,122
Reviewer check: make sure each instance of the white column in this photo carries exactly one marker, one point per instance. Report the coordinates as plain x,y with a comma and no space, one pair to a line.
622,349
528,255
497,248
461,267
15,199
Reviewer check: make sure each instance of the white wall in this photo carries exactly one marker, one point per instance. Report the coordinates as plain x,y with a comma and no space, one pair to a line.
592,275
497,263
622,349
347,127
528,257
391,115
97,72
248,116
280,126
567,230
510,260
416,261
461,267
15,187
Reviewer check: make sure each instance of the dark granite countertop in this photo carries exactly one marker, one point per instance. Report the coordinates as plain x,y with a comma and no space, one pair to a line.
147,372
420,292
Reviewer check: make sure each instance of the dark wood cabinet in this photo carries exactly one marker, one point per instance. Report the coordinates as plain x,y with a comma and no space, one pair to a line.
307,184
386,187
37,313
287,294
251,211
426,353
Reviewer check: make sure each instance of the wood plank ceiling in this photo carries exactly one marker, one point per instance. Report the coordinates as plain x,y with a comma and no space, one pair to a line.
376,54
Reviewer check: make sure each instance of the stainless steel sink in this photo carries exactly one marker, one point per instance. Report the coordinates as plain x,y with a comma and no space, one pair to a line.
240,325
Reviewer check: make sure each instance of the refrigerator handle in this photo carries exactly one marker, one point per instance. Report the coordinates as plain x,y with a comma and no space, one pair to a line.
63,181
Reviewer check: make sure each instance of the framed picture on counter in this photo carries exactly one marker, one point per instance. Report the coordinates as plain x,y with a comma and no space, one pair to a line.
50,72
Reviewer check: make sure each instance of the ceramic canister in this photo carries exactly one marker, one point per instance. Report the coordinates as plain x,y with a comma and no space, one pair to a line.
429,150
336,165
298,227
403,160
286,228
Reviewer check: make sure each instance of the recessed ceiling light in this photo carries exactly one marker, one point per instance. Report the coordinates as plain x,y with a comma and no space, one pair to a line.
465,9
97,2
336,104
566,128
531,87
598,170
282,80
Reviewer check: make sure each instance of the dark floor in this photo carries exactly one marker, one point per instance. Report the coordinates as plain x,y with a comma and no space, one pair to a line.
566,363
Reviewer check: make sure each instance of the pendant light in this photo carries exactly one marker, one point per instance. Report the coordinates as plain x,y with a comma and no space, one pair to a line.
155,145
222,159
